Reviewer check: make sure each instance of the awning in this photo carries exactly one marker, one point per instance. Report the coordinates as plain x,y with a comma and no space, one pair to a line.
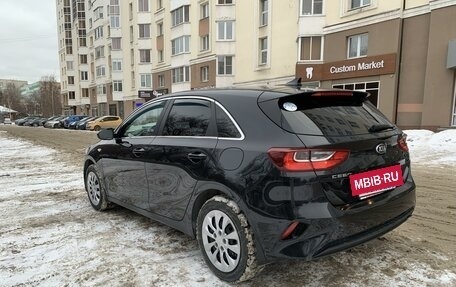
5,110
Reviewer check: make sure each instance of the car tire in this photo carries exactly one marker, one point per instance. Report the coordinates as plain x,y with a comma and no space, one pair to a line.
96,128
95,189
229,252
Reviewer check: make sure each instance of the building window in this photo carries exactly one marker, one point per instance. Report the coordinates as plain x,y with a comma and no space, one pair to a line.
115,21
70,80
144,55
355,4
132,56
225,30
263,12
146,81
83,59
133,80
143,5
144,30
311,48
181,74
99,52
161,80
225,65
116,65
69,65
82,42
116,43
205,74
160,29
225,2
263,52
100,71
357,45
84,93
160,56
204,43
98,32
180,15
204,10
132,34
101,90
370,87
180,45
130,11
98,12
117,85
311,7
159,4
71,95
84,76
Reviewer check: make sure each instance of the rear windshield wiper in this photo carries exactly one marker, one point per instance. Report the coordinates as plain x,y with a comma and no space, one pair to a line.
380,127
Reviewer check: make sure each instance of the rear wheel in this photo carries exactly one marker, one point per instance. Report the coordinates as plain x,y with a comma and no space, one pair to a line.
95,189
226,240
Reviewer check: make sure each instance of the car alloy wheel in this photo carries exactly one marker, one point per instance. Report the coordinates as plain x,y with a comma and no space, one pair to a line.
93,188
226,241
221,241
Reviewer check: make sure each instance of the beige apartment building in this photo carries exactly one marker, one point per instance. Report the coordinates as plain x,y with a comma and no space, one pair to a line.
117,54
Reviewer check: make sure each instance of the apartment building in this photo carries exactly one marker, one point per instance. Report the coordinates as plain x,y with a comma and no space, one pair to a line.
130,51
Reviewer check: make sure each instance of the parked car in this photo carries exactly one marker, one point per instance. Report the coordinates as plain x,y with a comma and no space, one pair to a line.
55,123
31,121
35,122
73,118
82,124
20,122
258,175
7,121
104,122
43,122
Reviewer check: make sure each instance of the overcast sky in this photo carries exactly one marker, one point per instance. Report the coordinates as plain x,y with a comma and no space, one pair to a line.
28,39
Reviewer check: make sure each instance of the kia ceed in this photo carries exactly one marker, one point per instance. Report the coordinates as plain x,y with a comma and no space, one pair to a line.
258,175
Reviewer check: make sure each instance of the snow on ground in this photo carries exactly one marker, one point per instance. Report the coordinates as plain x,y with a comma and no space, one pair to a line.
50,236
427,147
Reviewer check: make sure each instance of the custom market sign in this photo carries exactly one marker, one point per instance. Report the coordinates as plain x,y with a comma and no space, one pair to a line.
352,68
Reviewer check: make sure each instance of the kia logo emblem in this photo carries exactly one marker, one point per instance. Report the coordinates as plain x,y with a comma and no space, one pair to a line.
381,148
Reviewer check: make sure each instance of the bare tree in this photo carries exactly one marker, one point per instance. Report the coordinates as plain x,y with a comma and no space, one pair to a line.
11,98
50,101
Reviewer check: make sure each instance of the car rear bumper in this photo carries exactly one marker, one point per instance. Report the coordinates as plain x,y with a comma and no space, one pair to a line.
328,229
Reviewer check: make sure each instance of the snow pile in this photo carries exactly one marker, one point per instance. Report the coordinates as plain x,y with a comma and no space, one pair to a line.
427,147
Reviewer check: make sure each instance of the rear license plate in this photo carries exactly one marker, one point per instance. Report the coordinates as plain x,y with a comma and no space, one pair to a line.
369,183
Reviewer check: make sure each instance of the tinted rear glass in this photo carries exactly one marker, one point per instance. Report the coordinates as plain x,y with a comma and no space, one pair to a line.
329,116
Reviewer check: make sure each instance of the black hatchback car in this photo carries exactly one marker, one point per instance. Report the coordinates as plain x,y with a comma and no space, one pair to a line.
258,175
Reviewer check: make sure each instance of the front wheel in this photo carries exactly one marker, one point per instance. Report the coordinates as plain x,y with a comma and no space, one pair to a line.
96,128
226,240
95,189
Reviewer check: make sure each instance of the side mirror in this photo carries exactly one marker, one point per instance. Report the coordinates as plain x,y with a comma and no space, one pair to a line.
106,134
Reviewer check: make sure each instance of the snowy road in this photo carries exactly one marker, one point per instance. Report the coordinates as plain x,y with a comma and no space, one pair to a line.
50,236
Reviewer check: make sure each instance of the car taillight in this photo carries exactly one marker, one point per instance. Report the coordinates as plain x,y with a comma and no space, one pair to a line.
402,142
292,159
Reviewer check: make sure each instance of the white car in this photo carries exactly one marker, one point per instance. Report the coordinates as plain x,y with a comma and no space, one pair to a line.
7,121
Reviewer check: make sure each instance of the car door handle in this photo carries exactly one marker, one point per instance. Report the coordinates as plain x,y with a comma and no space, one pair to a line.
196,157
138,151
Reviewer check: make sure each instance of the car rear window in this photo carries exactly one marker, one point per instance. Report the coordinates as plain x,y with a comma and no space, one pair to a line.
325,115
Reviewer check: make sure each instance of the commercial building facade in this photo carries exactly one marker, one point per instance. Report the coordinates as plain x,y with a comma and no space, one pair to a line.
402,52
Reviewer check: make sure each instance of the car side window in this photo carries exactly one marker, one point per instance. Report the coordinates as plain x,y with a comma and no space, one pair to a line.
146,123
188,117
225,126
